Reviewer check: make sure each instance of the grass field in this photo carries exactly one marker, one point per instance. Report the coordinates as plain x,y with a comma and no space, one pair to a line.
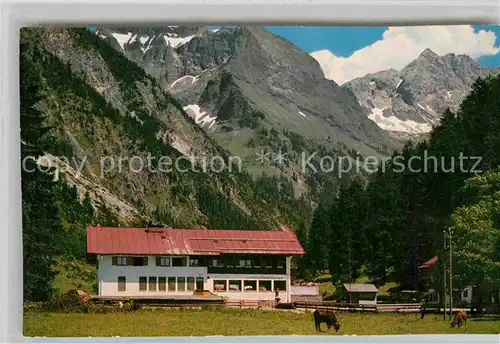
197,322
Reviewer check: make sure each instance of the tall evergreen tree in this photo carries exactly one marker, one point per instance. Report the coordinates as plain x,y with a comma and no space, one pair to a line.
40,217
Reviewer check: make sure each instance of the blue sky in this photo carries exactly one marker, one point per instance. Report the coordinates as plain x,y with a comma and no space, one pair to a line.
345,53
395,52
493,60
343,41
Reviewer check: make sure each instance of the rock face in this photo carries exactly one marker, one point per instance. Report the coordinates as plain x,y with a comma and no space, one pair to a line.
164,51
412,100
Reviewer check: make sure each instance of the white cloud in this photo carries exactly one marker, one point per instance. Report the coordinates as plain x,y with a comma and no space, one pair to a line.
400,45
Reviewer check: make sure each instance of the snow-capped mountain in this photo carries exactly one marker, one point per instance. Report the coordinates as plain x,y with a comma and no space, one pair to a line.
162,52
231,79
411,101
177,56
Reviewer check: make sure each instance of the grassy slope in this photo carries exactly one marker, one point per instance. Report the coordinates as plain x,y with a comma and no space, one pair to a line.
71,273
189,322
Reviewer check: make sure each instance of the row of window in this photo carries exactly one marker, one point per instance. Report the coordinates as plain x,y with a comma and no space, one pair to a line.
243,262
182,284
160,261
249,285
162,283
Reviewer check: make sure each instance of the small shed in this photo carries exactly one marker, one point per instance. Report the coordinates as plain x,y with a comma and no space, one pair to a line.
361,293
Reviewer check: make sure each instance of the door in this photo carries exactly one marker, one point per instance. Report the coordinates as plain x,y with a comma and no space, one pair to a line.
199,283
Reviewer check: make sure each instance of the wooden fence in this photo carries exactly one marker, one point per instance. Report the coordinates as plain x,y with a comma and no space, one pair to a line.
326,305
336,306
349,307
250,303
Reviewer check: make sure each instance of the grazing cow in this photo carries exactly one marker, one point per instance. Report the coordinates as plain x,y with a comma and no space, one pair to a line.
327,317
460,317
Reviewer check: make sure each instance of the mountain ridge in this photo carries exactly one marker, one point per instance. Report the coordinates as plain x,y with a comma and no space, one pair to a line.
99,104
412,100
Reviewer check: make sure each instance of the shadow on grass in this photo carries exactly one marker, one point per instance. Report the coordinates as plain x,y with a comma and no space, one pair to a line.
486,318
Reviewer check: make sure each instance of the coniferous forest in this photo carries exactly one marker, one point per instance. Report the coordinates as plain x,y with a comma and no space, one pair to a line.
388,226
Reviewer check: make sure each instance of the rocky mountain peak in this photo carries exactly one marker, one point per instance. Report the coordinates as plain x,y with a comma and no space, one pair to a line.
412,100
428,54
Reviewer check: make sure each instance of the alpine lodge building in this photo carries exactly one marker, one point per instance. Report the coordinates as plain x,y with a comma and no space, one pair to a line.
163,263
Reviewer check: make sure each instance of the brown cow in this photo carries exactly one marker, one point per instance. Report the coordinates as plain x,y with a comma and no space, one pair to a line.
327,317
459,318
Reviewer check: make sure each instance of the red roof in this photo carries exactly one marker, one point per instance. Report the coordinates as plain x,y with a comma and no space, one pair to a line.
153,241
430,262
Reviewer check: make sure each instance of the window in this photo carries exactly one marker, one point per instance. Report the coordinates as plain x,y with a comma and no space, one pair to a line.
280,263
197,261
162,261
152,283
130,261
220,285
245,263
139,261
266,263
281,285
179,261
256,262
265,286
190,283
122,283
235,285
232,262
249,285
181,283
171,284
143,283
162,284
219,263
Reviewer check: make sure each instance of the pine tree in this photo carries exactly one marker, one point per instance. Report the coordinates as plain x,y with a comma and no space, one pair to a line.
318,240
40,218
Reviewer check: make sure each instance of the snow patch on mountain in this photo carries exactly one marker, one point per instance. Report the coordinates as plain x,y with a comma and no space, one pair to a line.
122,39
392,123
200,117
184,78
302,114
175,42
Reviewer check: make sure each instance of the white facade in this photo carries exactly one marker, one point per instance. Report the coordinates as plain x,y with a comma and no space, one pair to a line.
310,290
117,280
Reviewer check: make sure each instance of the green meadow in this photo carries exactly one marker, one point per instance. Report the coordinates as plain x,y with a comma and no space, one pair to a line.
236,322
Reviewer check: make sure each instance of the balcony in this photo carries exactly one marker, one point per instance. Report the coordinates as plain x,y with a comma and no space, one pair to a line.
247,270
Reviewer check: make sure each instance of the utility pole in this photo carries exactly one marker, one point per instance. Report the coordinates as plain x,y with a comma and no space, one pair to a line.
444,276
451,284
350,275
